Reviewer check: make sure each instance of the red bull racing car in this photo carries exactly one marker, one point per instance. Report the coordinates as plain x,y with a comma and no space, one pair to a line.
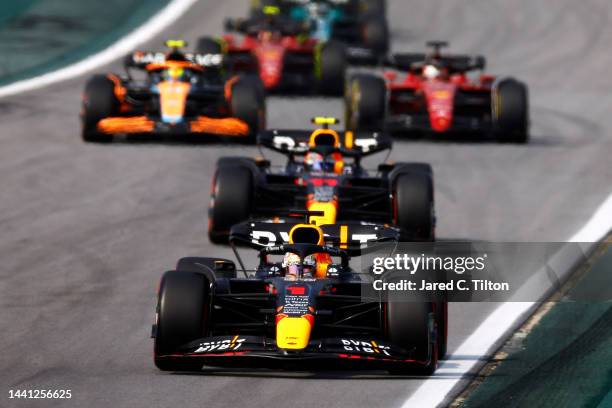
324,172
178,94
433,94
302,307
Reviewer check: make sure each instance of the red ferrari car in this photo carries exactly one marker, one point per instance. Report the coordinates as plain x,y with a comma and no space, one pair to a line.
434,93
284,56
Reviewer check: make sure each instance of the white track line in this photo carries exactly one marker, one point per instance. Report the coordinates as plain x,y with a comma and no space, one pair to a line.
160,21
493,330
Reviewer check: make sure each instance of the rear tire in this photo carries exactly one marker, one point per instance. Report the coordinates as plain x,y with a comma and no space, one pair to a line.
208,45
511,111
332,64
99,102
413,201
248,104
375,34
183,314
374,7
366,103
231,199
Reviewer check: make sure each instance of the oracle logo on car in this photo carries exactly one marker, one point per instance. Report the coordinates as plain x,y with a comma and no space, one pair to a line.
360,346
269,238
220,345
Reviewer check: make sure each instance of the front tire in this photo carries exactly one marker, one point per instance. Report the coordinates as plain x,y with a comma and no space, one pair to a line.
409,326
99,102
182,316
441,316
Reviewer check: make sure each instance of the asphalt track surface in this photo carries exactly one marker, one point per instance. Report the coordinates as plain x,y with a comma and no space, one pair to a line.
87,230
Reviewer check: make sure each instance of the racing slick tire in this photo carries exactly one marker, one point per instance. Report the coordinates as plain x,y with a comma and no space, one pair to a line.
375,35
231,198
208,45
99,102
207,266
441,316
511,111
259,86
374,7
248,104
183,311
413,201
409,326
331,68
365,103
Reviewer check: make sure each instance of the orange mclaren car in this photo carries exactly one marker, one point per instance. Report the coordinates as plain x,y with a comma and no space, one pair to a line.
175,93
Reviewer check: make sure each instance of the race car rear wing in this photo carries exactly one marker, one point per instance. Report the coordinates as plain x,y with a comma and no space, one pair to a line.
140,59
454,63
253,26
353,237
296,142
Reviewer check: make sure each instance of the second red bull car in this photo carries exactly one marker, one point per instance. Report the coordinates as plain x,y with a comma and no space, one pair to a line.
324,172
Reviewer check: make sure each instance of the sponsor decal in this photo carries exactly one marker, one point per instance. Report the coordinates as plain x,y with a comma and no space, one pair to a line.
271,238
296,300
220,345
324,194
206,60
442,94
366,144
368,347
296,290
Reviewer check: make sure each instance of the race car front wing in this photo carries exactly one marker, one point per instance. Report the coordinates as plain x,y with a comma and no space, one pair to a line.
199,125
253,351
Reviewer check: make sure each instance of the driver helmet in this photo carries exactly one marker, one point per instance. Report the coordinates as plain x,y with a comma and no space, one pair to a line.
174,73
265,36
310,266
430,71
315,162
291,264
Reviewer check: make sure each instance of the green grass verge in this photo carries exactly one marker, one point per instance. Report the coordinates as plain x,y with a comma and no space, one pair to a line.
566,361
38,36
